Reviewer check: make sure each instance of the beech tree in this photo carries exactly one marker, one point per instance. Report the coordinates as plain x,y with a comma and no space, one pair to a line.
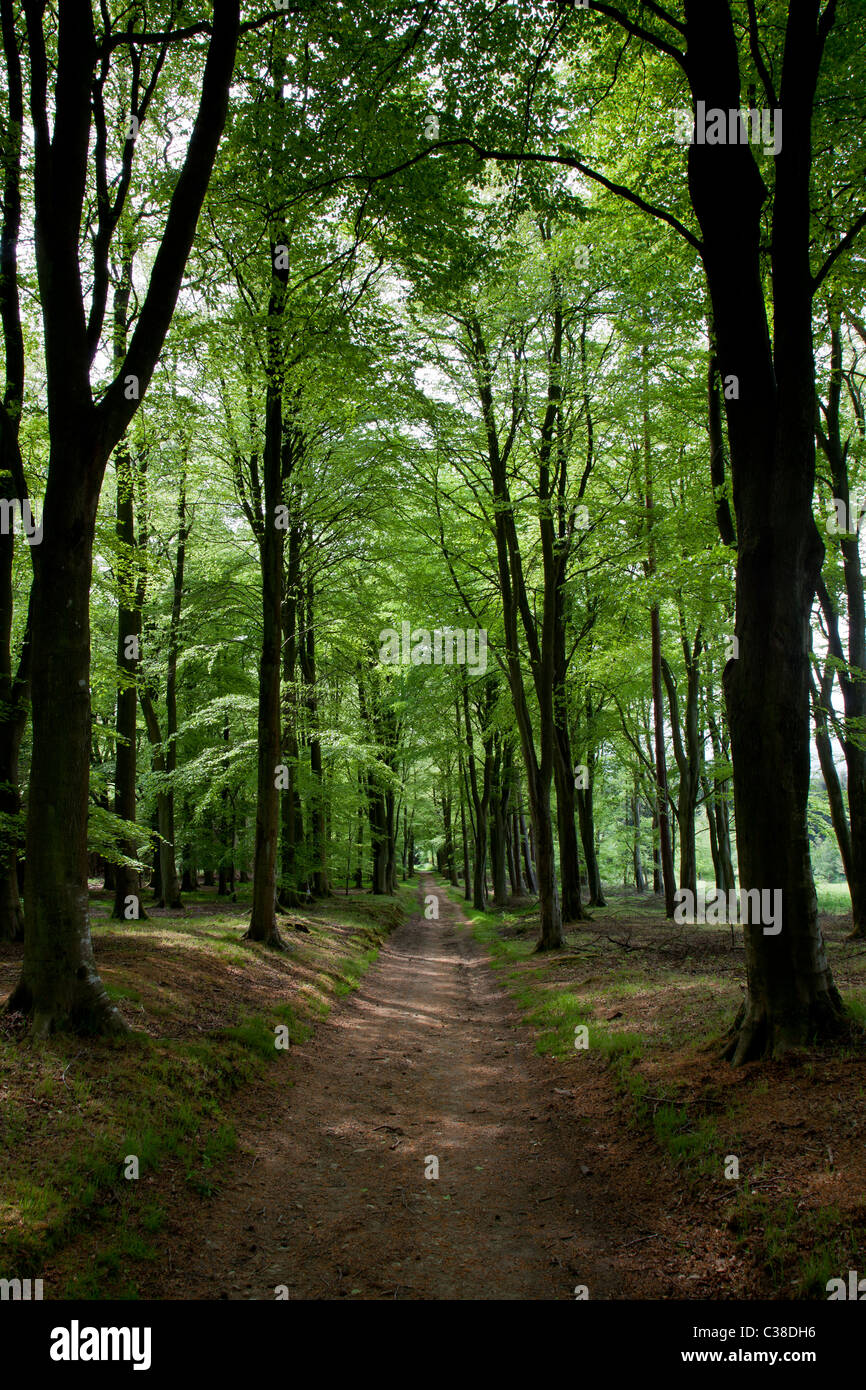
72,135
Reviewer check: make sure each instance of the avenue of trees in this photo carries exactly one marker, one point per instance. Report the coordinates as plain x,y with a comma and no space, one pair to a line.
414,445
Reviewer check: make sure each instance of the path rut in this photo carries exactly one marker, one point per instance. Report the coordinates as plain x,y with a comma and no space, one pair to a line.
328,1197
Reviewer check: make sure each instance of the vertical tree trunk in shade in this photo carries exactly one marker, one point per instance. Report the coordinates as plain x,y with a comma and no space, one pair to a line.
14,691
131,581
514,871
462,776
718,873
586,821
688,755
480,787
528,861
291,813
563,760
164,750
14,686
384,729
666,858
362,802
665,851
639,879
167,886
657,858
59,985
129,630
791,998
500,795
226,846
263,921
850,666
517,613
719,795
317,818
569,858
131,578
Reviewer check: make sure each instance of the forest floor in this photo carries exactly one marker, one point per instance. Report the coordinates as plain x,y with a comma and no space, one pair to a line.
559,1167
534,1195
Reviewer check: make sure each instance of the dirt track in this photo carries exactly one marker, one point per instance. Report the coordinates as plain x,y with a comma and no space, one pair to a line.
328,1196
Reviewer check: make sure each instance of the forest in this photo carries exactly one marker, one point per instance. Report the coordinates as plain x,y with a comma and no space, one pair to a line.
433,652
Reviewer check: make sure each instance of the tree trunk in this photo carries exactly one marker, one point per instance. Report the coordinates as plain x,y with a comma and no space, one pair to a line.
13,719
639,879
59,985
851,673
688,759
362,801
517,885
263,921
569,859
318,834
791,998
586,819
528,862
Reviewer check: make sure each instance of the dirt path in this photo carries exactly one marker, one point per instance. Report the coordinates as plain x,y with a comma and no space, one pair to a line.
328,1195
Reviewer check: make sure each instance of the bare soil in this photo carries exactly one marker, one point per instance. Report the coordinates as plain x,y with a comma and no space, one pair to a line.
542,1188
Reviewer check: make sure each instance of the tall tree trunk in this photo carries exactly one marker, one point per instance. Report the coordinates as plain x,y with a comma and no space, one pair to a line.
821,704
665,851
569,859
791,998
851,673
586,821
362,802
467,870
14,691
528,862
498,822
318,833
263,920
518,887
291,813
720,798
59,985
639,879
688,758
131,577
480,789
14,688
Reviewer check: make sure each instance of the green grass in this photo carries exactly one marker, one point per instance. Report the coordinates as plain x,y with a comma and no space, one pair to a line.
798,1247
833,898
556,1012
813,1244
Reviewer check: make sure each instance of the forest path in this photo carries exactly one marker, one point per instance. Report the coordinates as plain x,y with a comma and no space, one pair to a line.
328,1196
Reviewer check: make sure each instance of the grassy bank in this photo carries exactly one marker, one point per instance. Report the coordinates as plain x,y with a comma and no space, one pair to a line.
777,1151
